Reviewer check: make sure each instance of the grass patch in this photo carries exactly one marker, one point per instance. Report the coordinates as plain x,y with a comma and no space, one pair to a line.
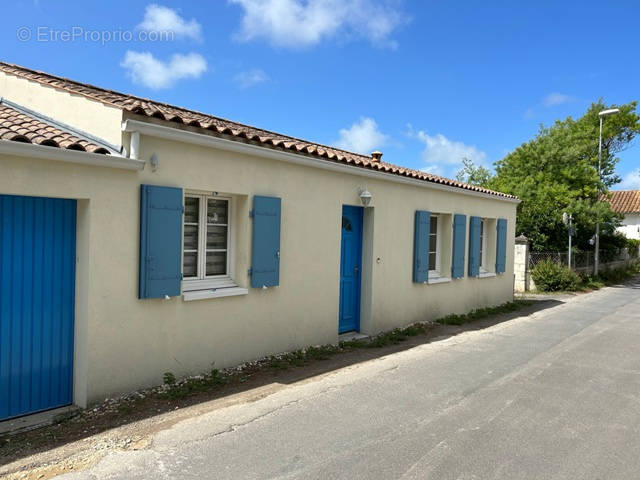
609,277
479,313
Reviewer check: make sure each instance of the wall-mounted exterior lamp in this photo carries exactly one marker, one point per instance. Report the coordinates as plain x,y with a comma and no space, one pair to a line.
365,197
154,162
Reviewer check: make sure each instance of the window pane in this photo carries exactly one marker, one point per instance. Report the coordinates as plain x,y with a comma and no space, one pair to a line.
216,237
217,211
190,265
190,237
432,261
433,242
216,263
433,225
191,209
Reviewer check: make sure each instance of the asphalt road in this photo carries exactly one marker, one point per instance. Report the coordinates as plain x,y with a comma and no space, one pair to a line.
555,395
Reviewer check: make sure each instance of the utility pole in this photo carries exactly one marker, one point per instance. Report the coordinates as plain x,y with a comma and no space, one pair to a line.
602,114
570,237
568,219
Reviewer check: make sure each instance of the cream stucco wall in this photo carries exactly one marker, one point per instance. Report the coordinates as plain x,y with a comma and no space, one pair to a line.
78,111
123,343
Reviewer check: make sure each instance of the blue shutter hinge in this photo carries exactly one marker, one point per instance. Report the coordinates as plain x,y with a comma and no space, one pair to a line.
251,213
250,271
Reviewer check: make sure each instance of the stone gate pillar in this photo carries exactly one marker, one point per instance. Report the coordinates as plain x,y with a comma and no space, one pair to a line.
521,264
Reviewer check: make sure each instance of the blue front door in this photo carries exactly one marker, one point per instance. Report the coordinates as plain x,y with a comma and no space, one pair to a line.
350,269
37,291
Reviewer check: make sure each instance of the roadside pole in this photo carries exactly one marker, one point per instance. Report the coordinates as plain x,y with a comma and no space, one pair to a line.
570,235
567,219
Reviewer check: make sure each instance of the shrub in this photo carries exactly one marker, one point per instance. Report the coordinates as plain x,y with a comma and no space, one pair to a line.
550,276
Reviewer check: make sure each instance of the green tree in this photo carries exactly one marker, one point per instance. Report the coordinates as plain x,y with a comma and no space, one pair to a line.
473,174
557,171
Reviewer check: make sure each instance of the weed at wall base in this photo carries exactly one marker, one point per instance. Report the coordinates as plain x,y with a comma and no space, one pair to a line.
193,385
479,313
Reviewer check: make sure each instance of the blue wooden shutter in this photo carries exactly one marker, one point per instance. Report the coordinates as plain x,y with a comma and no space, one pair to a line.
474,246
459,238
160,241
501,247
421,247
265,253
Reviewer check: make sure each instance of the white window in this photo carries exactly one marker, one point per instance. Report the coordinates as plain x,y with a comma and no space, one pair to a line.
434,245
206,257
483,245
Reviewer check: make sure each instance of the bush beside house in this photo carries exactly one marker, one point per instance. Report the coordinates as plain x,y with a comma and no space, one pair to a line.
550,276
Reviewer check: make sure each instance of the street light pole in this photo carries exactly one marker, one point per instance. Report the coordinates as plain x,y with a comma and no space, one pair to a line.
570,235
567,219
602,114
597,253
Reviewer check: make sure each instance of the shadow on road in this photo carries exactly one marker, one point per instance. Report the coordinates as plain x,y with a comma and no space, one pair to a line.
634,283
20,445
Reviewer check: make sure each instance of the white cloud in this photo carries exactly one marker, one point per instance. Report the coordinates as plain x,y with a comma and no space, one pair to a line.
145,69
362,137
303,23
556,98
631,181
441,153
251,78
163,19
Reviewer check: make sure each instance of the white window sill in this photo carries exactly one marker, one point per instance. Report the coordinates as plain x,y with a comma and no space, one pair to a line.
190,284
486,274
437,279
213,293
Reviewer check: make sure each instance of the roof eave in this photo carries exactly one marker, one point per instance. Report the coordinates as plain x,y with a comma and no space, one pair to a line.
30,150
169,133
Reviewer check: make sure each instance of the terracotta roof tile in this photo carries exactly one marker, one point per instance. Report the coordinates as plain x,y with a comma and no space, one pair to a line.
170,113
18,126
625,201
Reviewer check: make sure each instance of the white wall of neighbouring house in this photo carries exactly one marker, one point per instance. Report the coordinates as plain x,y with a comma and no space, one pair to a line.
630,227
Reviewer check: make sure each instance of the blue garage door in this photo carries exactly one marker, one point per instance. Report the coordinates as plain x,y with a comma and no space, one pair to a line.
37,290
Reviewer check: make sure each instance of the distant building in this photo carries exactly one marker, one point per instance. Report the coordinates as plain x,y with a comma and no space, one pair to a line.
627,202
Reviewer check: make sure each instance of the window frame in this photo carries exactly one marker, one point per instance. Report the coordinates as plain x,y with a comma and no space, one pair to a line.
435,273
202,281
483,245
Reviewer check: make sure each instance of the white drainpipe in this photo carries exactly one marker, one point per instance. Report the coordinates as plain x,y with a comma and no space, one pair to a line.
134,145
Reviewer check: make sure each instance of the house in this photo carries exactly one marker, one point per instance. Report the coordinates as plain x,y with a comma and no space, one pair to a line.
627,202
138,238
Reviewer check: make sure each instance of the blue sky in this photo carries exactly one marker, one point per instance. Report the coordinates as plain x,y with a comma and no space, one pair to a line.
426,82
